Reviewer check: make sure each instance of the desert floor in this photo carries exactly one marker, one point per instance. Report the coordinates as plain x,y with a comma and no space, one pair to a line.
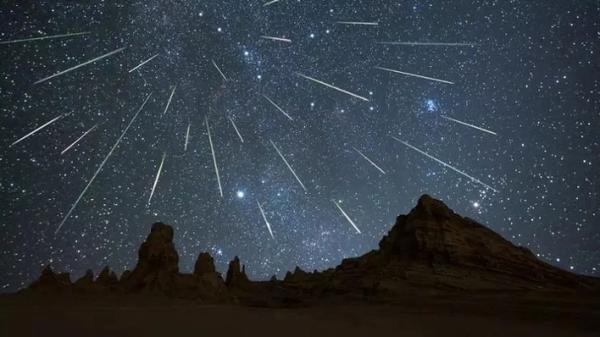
482,316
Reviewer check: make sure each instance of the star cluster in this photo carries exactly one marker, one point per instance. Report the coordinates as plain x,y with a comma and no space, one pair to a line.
530,75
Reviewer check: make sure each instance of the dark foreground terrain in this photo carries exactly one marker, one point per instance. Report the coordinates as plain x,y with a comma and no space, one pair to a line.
436,273
485,315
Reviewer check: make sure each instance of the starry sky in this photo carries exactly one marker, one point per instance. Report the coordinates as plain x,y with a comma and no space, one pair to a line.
521,76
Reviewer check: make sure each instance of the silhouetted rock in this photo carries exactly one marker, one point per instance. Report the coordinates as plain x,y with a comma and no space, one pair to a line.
205,264
236,277
430,248
51,281
157,267
85,281
298,275
107,278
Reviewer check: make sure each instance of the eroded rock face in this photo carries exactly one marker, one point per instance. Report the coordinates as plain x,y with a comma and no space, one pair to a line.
51,281
235,276
87,280
157,266
107,278
431,247
205,264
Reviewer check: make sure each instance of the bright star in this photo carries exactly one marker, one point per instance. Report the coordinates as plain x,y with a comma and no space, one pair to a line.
240,194
431,105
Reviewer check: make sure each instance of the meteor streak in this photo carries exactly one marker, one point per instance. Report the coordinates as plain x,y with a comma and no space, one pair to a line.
35,131
212,150
469,125
236,129
101,166
332,87
443,44
270,3
169,101
187,137
157,177
78,139
142,64
414,75
446,165
262,212
346,216
273,38
278,108
359,23
288,165
47,37
369,160
219,70
80,65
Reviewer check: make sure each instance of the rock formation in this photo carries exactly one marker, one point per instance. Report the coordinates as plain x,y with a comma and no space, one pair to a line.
157,267
205,264
51,281
235,276
431,248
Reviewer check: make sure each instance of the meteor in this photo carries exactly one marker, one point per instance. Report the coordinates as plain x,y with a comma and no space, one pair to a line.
78,139
157,177
262,212
270,3
369,160
414,75
47,37
469,125
187,137
278,108
212,150
273,38
236,129
358,23
332,87
101,166
346,216
142,64
446,165
80,65
219,70
169,101
36,130
288,165
442,44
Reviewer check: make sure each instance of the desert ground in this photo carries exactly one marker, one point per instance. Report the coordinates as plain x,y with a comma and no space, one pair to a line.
484,315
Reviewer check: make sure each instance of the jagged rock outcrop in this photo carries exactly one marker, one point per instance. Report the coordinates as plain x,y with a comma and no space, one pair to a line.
85,281
236,277
205,264
434,247
297,276
430,248
157,267
51,281
107,278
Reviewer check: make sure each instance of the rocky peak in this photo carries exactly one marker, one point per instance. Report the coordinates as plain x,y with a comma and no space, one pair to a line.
107,277
50,279
158,251
157,267
235,276
205,264
86,280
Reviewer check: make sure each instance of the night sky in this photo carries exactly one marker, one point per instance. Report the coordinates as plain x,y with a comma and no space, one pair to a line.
523,74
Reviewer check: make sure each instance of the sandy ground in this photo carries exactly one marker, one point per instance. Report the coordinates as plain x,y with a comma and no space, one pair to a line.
499,317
